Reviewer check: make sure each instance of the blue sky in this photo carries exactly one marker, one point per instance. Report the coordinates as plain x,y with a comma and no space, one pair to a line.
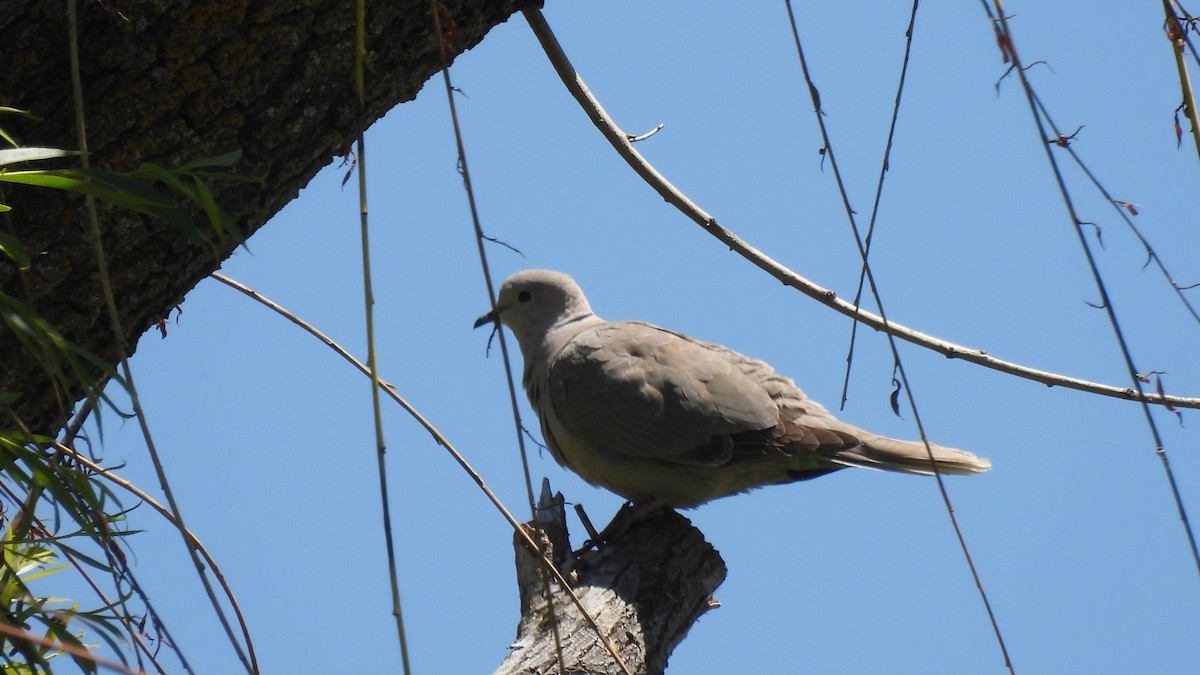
267,435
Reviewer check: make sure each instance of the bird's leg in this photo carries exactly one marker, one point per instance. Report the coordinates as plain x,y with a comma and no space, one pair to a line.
628,514
587,525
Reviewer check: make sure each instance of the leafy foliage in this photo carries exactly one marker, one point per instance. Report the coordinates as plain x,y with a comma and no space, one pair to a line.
135,190
62,516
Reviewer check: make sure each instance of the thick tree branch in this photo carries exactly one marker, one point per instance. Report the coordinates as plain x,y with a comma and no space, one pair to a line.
644,590
172,81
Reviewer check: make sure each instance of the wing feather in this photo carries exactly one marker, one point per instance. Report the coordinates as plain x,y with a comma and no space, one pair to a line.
633,390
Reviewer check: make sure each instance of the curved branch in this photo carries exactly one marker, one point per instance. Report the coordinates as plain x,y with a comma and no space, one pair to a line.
521,533
620,141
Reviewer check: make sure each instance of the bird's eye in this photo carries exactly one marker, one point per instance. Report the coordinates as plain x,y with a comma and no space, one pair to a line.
524,296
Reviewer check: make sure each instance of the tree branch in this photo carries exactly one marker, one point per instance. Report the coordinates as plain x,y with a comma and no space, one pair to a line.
645,590
620,141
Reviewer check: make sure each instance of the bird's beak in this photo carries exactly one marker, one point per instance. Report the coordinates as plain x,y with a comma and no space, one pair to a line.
490,317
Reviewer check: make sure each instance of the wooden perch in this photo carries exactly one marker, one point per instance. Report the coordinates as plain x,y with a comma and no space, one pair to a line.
644,590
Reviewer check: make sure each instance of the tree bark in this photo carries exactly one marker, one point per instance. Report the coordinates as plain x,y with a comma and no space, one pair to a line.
644,590
170,81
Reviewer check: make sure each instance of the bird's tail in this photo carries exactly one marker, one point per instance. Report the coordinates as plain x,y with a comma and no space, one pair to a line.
889,454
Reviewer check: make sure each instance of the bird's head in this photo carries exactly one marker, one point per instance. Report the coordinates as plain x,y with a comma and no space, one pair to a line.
534,302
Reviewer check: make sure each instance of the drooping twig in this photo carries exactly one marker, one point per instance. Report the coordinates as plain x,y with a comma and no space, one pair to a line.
1003,29
900,374
360,57
445,34
1176,35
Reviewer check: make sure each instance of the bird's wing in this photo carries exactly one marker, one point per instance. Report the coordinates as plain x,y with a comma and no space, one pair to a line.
631,390
805,426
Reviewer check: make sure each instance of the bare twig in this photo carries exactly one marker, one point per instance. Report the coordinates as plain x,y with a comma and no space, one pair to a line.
446,33
360,56
884,166
1003,28
1176,36
901,375
648,134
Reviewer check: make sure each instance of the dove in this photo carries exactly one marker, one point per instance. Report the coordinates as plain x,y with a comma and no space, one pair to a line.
663,419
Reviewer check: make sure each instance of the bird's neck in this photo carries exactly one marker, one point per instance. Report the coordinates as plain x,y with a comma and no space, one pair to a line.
538,351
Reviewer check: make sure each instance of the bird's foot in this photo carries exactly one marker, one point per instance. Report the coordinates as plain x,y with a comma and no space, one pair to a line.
628,514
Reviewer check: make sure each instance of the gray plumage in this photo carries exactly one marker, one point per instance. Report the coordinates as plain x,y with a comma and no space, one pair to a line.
659,417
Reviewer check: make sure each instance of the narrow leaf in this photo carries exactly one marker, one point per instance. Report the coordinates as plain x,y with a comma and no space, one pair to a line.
14,249
227,159
15,155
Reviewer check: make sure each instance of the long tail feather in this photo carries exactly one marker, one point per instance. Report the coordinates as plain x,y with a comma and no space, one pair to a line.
889,454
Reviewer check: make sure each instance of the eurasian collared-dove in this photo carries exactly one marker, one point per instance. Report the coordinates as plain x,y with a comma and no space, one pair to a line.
661,418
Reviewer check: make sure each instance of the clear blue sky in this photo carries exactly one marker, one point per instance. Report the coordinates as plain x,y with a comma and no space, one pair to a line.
267,435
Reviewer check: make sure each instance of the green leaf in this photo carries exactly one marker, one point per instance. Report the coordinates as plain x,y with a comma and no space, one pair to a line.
19,438
227,159
14,249
67,363
152,171
31,571
133,191
16,155
113,188
65,180
126,185
20,113
221,221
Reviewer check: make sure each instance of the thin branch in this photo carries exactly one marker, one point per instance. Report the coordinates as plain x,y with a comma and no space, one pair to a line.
438,10
1123,210
1005,35
438,438
360,56
900,370
1189,21
125,617
884,165
1176,35
676,198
